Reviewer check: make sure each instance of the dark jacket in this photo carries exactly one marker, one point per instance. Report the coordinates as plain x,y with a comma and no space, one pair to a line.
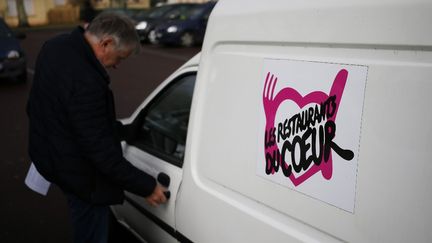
73,140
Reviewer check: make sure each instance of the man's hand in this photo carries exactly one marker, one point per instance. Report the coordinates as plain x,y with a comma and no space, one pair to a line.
157,197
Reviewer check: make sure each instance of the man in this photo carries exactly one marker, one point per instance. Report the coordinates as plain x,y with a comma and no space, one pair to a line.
74,139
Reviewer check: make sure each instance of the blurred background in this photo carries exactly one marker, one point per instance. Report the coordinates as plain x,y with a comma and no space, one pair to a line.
171,32
43,12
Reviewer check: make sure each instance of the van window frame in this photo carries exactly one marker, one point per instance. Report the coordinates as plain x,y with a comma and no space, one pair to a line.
139,120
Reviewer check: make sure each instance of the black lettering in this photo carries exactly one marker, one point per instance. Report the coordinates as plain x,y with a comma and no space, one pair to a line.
305,163
317,116
292,125
297,167
314,146
286,169
322,112
269,162
298,123
279,132
331,109
272,161
287,129
330,132
270,137
317,155
311,117
303,121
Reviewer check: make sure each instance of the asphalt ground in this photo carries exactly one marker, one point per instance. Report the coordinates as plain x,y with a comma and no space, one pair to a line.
26,216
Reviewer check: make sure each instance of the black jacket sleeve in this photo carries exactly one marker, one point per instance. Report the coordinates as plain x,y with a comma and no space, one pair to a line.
93,125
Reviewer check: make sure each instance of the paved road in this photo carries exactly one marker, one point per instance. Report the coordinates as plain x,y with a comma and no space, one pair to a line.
24,215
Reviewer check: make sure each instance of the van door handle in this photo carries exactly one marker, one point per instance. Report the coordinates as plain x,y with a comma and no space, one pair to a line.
164,180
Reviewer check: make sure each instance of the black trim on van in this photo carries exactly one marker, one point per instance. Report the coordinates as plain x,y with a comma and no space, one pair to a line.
167,228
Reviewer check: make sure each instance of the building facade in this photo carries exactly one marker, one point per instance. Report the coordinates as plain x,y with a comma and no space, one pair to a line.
36,10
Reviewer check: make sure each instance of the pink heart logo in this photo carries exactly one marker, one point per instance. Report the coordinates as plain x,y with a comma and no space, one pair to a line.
324,163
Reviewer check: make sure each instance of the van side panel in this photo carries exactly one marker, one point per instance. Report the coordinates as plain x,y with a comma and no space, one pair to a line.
224,199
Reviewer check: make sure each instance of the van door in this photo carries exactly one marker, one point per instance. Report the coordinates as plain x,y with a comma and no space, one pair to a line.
157,146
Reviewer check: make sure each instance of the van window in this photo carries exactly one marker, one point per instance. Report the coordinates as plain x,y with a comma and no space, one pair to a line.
163,127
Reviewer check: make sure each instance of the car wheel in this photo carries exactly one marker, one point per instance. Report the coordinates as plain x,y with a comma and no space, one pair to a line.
187,39
152,37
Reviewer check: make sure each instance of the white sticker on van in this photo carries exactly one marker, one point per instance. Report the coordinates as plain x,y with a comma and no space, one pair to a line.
311,120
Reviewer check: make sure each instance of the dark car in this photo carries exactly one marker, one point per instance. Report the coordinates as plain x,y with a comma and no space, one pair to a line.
12,59
187,30
145,26
134,14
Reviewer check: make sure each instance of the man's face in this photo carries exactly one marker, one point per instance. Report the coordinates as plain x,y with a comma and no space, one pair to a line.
110,56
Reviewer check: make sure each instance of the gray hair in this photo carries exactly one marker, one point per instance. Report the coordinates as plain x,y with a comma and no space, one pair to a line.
120,27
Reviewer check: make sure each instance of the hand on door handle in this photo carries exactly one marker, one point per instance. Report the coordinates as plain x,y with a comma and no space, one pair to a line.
158,196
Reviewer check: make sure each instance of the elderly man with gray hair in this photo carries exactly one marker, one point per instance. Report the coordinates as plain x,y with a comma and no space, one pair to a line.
74,138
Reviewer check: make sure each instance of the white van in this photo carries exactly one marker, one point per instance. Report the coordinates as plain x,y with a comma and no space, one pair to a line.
309,121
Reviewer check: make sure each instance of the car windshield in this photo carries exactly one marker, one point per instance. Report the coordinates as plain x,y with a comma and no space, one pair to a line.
178,12
159,11
141,14
4,30
128,12
194,12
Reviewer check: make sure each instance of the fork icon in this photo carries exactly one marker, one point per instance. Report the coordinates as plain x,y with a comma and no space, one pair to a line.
270,108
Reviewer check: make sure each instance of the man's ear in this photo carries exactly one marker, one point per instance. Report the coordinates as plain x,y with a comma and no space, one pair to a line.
106,41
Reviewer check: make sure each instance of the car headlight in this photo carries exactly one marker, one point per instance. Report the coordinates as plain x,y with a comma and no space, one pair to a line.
13,54
141,25
172,29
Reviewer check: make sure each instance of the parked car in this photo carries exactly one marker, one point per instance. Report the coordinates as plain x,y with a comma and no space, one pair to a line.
301,121
13,63
188,29
146,24
131,13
